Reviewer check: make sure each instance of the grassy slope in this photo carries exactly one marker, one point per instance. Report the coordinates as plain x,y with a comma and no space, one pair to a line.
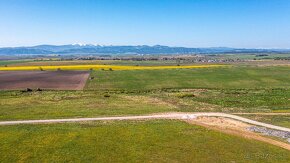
127,141
268,100
280,120
64,104
60,104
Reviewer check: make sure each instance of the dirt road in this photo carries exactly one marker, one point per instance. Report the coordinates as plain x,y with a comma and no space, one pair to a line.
283,114
181,116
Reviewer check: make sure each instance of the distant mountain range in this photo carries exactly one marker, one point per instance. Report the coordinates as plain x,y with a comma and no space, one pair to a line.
116,50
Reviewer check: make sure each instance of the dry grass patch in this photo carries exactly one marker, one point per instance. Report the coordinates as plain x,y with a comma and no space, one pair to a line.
149,100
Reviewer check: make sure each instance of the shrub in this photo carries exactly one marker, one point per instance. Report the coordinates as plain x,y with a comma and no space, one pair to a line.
107,95
27,90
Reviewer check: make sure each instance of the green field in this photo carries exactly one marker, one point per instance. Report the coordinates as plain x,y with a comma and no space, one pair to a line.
253,56
129,141
221,78
260,100
65,104
12,62
60,104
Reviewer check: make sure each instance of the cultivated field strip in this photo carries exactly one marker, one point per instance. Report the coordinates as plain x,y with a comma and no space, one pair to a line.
51,80
105,67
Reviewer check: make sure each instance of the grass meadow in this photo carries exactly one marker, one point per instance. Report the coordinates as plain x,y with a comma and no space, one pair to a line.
207,78
64,104
130,141
4,63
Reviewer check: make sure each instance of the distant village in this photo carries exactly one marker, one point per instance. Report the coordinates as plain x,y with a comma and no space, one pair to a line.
178,59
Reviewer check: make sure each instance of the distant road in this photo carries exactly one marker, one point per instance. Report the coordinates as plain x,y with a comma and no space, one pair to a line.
181,116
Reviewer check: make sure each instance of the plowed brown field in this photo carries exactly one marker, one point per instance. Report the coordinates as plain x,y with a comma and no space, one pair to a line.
55,80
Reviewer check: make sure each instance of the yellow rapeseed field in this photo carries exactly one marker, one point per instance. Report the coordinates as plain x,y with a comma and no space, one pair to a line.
105,67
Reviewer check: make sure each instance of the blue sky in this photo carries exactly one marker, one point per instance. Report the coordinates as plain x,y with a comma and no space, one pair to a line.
190,23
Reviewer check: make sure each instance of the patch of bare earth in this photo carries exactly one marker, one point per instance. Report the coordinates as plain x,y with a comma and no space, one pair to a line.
234,127
55,80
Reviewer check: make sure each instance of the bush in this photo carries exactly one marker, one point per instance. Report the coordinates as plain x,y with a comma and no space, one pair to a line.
27,90
107,95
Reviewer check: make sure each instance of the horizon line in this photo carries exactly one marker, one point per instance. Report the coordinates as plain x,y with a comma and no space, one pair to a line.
152,45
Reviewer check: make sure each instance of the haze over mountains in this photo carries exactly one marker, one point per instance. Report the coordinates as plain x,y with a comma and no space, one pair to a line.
141,49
